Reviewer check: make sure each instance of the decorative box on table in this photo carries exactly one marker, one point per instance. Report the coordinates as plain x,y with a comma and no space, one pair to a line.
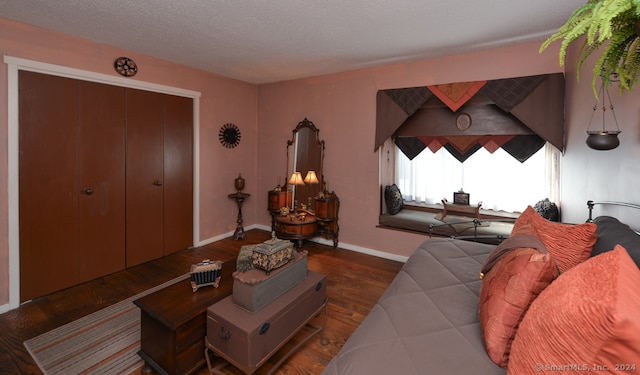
272,254
206,273
253,289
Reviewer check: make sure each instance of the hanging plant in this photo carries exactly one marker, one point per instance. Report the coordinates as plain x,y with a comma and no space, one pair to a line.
614,26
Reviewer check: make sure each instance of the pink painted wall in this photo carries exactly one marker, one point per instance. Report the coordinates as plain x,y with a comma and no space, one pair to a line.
599,175
222,100
343,107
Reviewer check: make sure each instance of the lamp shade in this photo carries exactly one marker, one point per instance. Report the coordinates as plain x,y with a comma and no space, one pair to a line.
311,178
296,179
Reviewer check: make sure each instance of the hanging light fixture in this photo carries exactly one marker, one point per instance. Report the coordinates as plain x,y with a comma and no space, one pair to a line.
603,139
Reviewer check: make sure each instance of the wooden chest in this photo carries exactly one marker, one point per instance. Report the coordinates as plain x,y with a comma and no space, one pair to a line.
247,340
253,290
173,324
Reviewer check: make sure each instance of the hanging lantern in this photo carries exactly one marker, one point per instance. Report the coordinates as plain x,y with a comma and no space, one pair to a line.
603,139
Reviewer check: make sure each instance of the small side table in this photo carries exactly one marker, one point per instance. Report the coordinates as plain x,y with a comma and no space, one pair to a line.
239,234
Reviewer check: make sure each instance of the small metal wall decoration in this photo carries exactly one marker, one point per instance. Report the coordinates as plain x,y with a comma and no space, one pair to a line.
125,66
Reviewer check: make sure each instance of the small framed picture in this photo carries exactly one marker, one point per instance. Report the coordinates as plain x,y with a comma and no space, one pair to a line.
460,197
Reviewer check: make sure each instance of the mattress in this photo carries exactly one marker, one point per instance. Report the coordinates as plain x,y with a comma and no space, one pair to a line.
427,320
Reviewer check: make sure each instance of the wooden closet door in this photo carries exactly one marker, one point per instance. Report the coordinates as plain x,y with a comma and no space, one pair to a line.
48,200
178,174
144,176
101,176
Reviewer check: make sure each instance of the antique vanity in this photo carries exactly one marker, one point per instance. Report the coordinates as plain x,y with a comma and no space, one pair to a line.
304,208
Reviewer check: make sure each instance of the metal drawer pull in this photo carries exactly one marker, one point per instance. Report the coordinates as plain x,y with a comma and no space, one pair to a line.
88,191
264,328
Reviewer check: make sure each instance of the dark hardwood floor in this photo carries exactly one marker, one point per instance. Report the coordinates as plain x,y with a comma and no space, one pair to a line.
354,283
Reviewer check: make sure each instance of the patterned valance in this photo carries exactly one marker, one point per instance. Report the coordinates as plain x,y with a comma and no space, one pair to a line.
518,114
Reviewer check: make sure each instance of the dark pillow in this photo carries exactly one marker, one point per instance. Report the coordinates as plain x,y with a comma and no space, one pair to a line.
611,232
393,198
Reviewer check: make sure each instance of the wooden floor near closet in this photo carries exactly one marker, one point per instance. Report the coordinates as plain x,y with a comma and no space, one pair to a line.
354,283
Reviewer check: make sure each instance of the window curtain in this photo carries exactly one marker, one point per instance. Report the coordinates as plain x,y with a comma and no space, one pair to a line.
498,180
535,102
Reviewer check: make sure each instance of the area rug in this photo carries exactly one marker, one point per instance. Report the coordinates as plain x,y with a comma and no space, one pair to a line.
105,342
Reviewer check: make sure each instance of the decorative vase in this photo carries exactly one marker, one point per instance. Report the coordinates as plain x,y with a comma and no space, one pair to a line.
239,183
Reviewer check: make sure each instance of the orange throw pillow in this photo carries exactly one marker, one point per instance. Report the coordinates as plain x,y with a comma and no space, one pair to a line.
569,244
505,295
589,317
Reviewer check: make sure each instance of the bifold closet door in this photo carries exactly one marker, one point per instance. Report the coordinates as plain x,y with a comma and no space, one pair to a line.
178,174
101,177
71,145
48,184
144,176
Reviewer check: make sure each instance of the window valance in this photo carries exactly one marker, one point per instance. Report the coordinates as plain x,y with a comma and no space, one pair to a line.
518,114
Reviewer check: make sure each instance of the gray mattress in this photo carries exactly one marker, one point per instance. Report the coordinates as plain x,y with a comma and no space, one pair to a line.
427,320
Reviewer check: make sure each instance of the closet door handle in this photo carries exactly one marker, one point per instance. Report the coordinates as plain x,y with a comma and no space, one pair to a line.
88,191
157,183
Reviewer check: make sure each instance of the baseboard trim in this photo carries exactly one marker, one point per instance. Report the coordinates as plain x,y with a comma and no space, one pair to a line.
342,245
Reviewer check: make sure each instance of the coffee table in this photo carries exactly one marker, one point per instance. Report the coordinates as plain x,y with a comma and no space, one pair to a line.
173,324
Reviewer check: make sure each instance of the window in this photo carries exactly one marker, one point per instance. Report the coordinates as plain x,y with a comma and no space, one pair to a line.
497,180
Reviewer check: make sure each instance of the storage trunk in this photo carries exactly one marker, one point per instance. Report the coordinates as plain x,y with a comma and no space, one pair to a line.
247,340
254,289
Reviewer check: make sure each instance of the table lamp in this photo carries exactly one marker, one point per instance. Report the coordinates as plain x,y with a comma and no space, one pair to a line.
295,180
311,179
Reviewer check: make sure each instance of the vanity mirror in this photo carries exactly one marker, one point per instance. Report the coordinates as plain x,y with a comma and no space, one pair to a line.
305,154
303,208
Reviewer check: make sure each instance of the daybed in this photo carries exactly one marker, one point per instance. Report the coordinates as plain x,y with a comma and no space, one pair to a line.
439,317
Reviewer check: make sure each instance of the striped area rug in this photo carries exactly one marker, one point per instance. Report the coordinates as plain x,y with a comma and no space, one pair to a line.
105,342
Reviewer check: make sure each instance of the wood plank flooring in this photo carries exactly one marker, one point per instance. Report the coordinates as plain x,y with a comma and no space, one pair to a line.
354,283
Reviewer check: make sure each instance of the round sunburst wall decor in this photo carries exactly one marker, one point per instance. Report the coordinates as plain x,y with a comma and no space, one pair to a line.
229,135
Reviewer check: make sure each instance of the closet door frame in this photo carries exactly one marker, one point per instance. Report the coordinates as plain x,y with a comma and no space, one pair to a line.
14,65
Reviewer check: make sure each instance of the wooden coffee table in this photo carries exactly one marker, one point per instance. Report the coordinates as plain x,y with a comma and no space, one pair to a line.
173,324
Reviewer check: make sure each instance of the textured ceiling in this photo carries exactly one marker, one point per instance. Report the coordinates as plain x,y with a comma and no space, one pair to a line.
262,41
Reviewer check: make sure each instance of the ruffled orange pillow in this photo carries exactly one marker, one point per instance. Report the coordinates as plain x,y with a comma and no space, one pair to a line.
569,244
587,317
506,293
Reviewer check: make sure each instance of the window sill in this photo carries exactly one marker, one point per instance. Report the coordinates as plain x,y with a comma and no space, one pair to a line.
425,219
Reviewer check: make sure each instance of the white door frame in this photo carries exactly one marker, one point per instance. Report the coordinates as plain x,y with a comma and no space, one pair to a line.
14,65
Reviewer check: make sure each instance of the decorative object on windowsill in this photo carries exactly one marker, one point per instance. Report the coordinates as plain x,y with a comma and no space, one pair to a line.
239,183
460,197
205,273
603,139
125,66
229,135
613,25
547,210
